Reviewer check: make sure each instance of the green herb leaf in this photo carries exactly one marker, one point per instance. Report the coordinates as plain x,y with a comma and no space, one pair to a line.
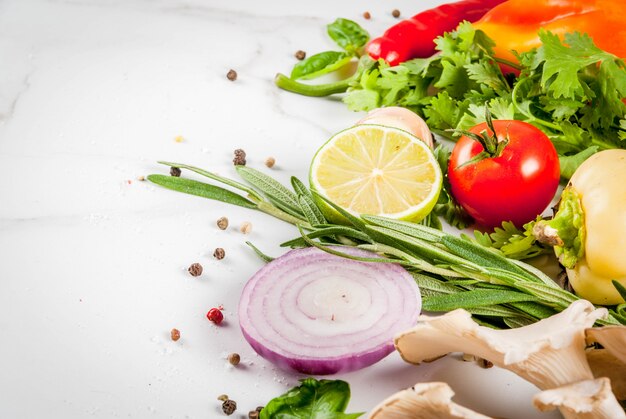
323,399
299,187
275,192
319,64
260,254
474,299
310,210
347,34
620,288
193,187
569,164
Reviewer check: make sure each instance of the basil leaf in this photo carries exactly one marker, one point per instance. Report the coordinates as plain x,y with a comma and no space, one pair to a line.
319,64
348,34
326,399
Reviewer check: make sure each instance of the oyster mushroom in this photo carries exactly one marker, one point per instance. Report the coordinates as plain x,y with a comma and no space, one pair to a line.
612,338
589,399
604,364
423,401
548,354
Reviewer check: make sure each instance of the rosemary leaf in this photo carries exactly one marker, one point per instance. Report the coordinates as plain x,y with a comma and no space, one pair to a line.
215,177
355,221
194,187
328,232
431,286
515,322
534,309
479,255
310,210
419,247
260,254
299,187
275,192
474,299
410,229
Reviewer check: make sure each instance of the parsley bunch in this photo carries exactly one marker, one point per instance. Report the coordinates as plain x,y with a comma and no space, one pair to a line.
570,89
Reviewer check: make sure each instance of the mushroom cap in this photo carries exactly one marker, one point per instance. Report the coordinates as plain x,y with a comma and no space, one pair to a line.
549,353
423,401
612,338
589,399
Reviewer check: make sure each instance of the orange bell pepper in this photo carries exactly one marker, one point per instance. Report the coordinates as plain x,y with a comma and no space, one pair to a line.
514,24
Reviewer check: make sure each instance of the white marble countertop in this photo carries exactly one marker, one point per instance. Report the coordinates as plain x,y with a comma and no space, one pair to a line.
93,261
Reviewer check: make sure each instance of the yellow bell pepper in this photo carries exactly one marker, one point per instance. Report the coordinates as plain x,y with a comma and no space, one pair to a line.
514,24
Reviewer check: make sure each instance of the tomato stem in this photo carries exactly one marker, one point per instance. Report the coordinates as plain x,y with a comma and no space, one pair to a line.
492,146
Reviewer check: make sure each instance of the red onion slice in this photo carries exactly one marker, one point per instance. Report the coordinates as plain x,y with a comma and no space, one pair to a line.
318,313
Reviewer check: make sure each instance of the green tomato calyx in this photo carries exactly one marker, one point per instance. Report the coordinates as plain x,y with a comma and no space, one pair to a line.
492,146
566,230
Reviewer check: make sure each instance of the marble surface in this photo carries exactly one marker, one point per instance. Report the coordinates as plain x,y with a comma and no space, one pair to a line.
93,261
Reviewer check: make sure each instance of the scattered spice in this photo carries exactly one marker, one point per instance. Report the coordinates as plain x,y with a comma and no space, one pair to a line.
195,269
234,359
270,162
300,55
215,315
367,15
219,253
222,223
222,397
240,157
231,75
395,13
229,407
175,334
246,227
254,414
141,178
179,139
175,171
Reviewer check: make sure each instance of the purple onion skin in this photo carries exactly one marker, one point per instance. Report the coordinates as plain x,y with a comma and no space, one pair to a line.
326,366
308,364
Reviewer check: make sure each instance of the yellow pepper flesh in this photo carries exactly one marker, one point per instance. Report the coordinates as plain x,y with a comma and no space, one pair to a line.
600,183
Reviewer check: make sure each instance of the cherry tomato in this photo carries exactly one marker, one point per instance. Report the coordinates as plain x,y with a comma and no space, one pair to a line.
515,181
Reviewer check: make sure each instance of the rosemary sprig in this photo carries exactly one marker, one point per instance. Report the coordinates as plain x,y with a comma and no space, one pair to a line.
453,272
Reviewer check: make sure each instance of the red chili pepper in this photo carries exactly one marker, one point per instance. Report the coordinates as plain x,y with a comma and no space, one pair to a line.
414,37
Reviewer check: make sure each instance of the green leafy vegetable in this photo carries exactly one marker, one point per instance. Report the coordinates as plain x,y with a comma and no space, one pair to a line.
347,34
319,64
312,399
570,89
350,37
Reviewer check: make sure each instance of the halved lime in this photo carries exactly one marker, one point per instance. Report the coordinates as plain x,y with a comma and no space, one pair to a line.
376,170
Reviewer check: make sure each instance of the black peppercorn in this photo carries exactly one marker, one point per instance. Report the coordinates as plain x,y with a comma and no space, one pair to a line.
219,253
240,157
175,171
229,407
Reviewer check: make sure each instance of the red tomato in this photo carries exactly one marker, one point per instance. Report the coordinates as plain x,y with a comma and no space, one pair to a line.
515,186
